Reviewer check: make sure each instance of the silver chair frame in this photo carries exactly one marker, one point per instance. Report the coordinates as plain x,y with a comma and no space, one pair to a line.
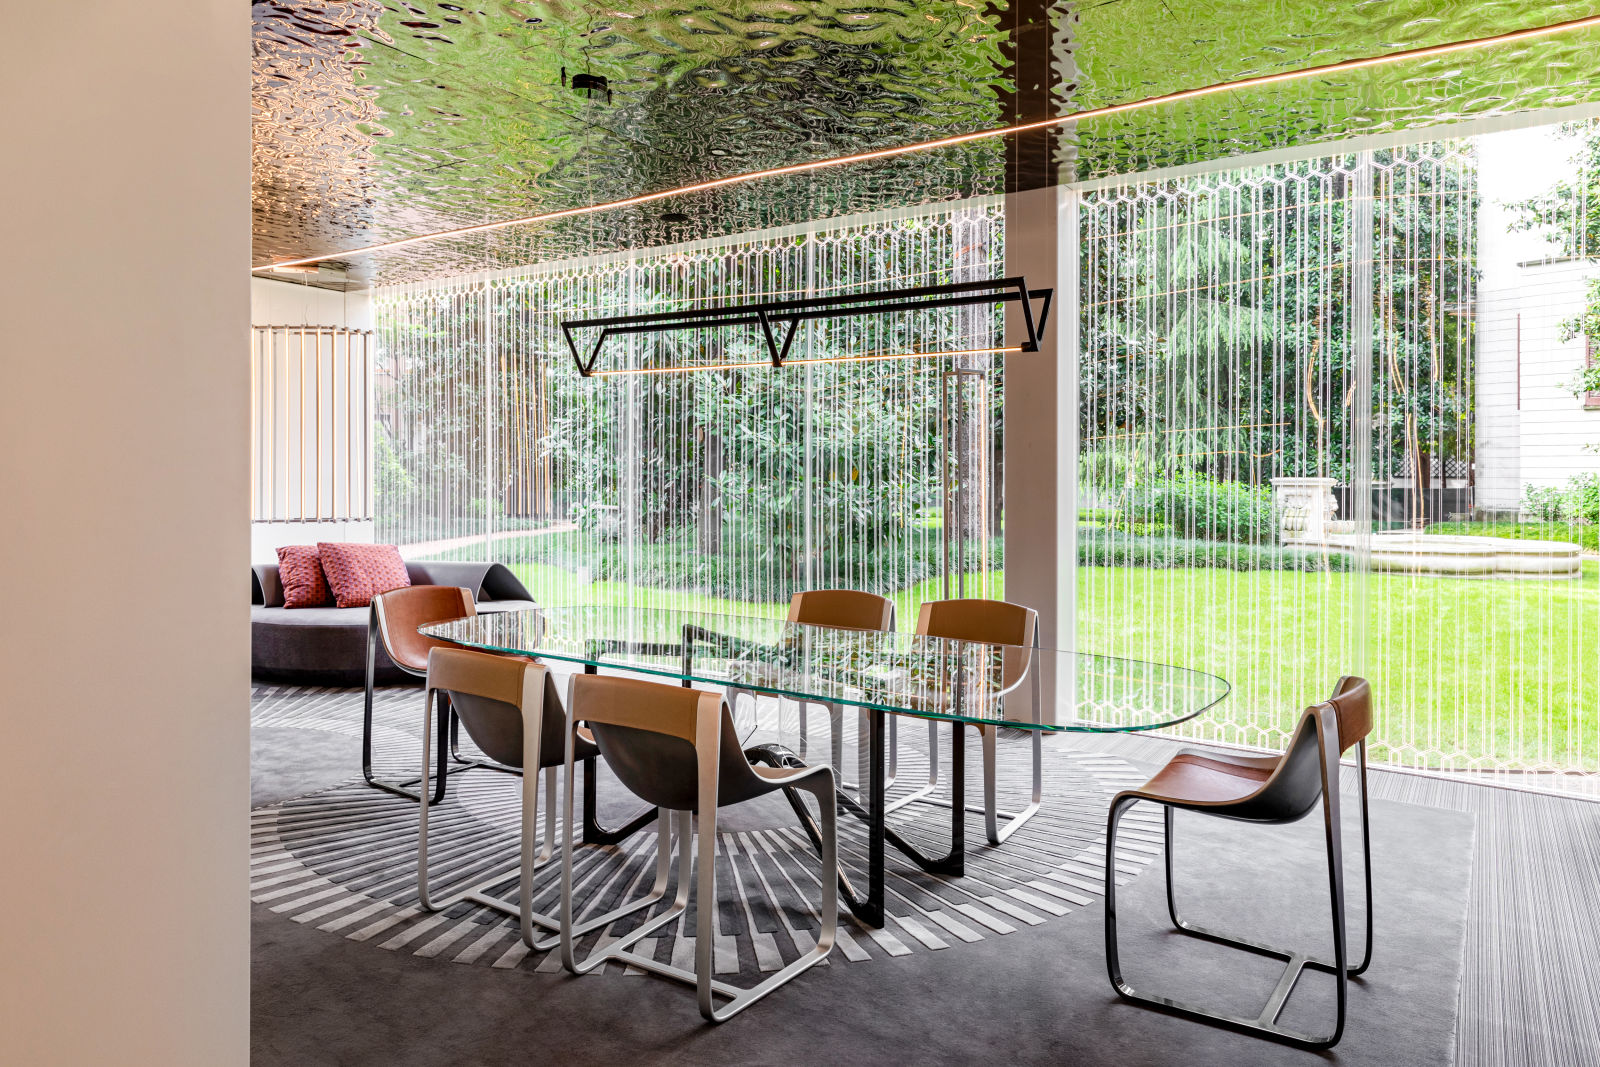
992,813
818,781
532,728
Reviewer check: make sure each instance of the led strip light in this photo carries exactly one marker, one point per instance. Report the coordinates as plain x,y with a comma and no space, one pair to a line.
1404,55
795,362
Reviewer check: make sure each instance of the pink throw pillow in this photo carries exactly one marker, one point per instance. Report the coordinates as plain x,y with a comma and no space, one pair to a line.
358,572
300,573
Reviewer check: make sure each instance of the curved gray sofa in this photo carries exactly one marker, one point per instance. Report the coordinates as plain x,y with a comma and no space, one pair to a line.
328,646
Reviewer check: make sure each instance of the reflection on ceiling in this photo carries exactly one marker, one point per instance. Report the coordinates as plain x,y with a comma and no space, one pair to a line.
375,121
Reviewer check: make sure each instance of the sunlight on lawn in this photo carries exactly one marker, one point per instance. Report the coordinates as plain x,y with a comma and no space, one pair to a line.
1468,673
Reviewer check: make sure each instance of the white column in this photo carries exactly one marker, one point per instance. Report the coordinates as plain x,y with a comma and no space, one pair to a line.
125,535
1041,425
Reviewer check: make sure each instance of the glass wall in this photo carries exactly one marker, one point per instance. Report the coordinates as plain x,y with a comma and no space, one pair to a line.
655,482
1337,413
1332,422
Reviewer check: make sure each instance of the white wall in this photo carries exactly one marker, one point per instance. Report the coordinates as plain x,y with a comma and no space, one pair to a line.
1531,429
124,637
293,303
290,303
1556,430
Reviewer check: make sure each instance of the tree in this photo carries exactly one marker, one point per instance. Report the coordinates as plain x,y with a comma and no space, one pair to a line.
1217,319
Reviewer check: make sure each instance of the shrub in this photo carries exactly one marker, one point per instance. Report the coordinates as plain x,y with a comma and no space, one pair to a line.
1543,502
1577,501
1104,548
743,569
1204,508
1581,499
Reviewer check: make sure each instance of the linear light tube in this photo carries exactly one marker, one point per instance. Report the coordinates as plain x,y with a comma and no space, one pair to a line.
794,362
1425,52
905,355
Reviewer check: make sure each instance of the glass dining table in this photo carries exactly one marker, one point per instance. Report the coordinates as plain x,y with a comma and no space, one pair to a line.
963,683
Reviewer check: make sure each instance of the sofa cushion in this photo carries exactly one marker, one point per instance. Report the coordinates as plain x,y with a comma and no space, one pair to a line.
358,572
316,646
300,572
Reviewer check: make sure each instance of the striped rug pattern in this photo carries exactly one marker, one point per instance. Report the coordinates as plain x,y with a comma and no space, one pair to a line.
344,860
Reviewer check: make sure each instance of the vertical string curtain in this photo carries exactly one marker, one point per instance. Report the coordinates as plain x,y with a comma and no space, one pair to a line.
1283,368
722,489
1283,384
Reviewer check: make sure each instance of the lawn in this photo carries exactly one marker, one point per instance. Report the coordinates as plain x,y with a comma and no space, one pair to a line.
1584,534
1468,673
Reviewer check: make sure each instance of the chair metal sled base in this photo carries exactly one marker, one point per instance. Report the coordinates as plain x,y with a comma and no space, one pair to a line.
1263,1025
619,951
477,894
996,832
1296,962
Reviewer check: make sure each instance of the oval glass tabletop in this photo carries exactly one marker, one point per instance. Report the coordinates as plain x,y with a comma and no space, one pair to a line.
928,677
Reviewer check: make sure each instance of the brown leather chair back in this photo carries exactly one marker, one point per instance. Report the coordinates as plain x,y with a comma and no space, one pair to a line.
994,621
847,609
401,611
1352,703
1296,785
655,737
490,693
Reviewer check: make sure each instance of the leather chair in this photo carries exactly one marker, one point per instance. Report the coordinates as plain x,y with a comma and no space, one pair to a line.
393,619
512,711
1264,789
840,609
994,622
677,748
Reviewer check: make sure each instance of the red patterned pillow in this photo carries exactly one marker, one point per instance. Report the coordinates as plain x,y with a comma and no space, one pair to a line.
358,572
300,573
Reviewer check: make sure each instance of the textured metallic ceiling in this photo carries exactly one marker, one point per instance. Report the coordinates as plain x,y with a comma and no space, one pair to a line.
380,120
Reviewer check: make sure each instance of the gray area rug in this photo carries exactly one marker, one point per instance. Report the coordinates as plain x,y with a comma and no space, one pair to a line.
344,859
1035,992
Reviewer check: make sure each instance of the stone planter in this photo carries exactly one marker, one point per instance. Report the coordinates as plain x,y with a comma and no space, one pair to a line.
1307,506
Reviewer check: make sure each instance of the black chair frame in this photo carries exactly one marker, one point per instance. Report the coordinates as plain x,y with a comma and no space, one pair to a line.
1296,961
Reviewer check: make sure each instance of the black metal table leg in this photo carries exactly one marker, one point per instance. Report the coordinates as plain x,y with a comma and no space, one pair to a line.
872,914
593,832
774,755
870,910
953,862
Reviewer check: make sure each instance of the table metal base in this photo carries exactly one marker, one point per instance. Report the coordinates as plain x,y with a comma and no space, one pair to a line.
870,908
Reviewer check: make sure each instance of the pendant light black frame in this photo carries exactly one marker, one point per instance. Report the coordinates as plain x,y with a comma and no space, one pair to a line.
774,316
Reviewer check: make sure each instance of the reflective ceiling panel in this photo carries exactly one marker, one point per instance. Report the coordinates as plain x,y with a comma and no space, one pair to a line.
381,120
1136,49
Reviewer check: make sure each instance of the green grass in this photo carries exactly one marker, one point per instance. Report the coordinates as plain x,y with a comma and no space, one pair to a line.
1467,672
1588,536
1488,671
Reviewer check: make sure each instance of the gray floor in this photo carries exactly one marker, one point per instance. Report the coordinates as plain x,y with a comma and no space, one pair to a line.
1526,995
1530,989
